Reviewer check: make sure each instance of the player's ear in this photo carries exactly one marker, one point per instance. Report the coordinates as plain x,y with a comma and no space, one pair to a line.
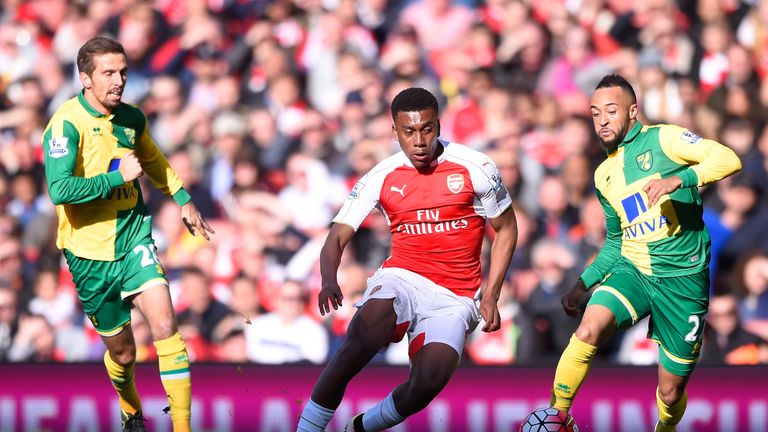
394,133
85,80
633,111
438,127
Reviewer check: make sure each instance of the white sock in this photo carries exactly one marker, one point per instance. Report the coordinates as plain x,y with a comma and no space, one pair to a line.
382,416
314,418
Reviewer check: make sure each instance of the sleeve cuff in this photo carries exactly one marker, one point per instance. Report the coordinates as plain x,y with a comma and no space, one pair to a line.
591,277
115,179
182,197
689,178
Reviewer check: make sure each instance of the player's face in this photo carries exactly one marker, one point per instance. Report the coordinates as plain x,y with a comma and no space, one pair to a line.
417,132
106,83
613,115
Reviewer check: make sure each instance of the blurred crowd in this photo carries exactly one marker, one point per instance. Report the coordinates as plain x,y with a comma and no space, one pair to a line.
270,110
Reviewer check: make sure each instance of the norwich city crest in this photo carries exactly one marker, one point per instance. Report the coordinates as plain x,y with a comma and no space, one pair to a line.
645,161
130,135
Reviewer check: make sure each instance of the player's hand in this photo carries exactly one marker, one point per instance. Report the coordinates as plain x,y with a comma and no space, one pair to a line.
657,188
130,167
330,291
572,299
194,222
489,310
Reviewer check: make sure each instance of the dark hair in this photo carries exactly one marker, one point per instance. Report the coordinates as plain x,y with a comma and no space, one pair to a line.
96,46
194,271
616,80
413,99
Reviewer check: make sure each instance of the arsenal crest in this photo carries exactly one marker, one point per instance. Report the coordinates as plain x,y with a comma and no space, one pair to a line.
455,183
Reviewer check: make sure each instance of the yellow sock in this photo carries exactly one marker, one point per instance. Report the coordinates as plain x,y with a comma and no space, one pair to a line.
669,416
123,382
571,372
174,371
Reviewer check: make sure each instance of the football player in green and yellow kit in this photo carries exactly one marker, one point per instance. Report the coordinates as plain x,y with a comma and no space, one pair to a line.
656,253
96,147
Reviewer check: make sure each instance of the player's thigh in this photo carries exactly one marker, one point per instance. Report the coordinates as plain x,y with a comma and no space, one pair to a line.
141,269
388,306
677,320
448,330
624,293
98,285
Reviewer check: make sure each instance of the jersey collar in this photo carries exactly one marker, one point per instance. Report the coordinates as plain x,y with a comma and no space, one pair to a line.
87,106
444,154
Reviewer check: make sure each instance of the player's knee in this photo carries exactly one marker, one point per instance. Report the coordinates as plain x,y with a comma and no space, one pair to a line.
670,394
163,328
124,356
427,384
588,334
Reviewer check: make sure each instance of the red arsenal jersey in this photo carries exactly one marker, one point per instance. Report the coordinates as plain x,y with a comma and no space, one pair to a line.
437,220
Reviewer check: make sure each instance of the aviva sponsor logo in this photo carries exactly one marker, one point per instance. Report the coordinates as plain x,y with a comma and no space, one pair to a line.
122,192
646,227
634,206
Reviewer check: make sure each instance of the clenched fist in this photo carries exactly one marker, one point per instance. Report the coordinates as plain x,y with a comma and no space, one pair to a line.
130,167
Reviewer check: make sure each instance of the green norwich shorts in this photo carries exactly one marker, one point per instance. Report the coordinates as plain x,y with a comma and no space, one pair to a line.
104,286
677,306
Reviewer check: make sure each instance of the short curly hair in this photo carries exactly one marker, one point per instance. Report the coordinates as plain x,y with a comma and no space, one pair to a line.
616,80
413,99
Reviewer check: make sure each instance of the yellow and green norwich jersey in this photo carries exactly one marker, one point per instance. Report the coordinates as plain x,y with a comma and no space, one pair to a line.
668,239
101,217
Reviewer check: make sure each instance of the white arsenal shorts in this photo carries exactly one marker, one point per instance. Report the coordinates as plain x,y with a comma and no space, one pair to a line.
425,310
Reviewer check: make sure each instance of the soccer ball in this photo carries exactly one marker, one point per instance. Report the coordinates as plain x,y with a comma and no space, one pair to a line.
548,420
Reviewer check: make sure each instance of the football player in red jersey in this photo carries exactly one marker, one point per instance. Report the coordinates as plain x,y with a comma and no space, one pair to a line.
437,197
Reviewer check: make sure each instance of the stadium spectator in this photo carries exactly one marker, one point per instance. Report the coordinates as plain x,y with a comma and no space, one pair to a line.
588,236
751,282
12,270
51,302
245,299
202,310
545,331
287,335
733,203
556,216
229,131
9,324
34,342
726,341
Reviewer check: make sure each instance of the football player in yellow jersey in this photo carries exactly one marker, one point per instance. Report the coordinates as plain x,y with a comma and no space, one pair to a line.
96,147
656,254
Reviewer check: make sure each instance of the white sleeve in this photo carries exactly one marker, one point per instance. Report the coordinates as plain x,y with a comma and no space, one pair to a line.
361,200
492,197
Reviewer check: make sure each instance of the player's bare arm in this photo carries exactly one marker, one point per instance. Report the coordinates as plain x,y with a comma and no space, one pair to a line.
657,188
330,259
504,242
195,222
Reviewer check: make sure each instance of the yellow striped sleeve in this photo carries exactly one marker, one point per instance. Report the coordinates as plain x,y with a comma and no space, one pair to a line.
156,166
708,160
